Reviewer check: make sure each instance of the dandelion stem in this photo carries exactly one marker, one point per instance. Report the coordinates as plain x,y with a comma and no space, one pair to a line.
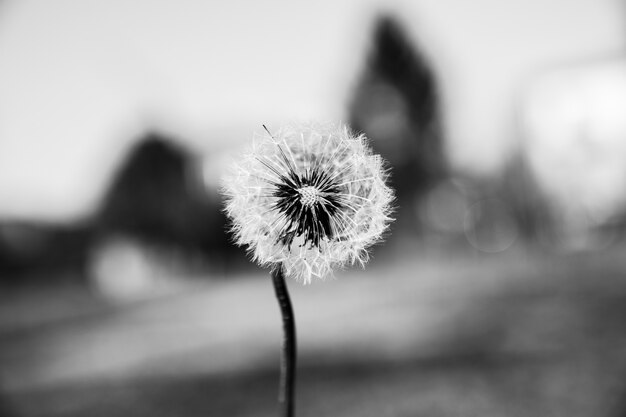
286,398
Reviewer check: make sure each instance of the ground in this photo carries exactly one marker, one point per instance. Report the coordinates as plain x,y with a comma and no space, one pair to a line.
434,334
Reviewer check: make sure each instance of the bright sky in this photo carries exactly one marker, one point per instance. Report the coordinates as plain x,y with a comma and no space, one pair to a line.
80,78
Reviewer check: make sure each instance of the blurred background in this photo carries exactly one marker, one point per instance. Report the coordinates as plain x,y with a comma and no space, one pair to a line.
500,291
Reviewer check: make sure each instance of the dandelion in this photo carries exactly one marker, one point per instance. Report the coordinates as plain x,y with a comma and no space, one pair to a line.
309,198
305,200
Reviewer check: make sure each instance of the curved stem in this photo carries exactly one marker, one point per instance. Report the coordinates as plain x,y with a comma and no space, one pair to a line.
286,391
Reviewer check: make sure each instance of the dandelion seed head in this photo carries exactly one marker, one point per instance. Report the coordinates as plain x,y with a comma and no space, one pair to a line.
311,197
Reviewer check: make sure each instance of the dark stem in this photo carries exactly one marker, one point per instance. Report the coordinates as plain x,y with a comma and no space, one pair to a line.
286,398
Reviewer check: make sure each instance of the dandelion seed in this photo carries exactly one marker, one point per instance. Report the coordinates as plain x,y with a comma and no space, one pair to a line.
310,198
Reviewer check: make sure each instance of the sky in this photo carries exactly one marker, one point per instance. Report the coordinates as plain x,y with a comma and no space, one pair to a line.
81,79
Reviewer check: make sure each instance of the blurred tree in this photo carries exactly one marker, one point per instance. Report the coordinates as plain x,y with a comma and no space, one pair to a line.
396,105
34,250
529,205
158,197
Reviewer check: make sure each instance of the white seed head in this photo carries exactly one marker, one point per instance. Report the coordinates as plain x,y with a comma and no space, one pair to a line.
309,197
